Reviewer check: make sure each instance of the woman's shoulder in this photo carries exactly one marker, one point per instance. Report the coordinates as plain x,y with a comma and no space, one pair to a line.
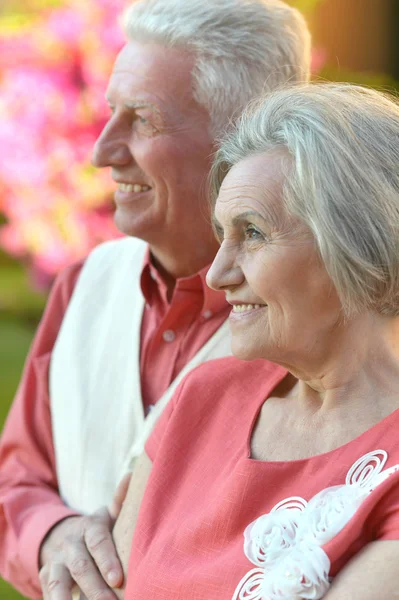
225,385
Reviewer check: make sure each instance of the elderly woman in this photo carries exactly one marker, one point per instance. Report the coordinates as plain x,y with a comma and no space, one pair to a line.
281,481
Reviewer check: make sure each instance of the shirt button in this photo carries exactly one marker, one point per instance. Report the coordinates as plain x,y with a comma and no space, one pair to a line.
169,335
207,314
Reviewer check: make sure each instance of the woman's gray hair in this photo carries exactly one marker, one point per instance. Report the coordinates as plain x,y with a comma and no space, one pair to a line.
341,180
241,47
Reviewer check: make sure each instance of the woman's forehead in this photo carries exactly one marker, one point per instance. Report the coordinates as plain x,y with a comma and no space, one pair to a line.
255,182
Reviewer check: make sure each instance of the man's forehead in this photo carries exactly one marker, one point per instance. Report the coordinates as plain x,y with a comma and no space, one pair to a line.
144,73
149,57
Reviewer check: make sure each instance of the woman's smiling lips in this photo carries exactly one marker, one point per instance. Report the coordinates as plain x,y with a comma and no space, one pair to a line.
241,310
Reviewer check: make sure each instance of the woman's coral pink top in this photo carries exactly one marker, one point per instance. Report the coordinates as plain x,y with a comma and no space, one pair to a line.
215,523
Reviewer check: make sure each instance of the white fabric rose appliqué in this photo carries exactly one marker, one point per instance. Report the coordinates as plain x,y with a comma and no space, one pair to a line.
285,545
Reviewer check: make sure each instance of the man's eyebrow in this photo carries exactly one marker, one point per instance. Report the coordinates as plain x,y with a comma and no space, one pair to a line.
135,105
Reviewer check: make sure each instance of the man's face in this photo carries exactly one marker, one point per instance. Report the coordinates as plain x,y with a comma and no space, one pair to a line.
157,143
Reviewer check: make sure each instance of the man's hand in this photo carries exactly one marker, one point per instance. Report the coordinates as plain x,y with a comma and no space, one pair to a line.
80,550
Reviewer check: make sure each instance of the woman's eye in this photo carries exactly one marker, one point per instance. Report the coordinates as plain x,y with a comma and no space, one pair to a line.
143,121
251,233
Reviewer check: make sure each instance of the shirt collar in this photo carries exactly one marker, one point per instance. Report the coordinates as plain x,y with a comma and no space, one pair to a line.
151,282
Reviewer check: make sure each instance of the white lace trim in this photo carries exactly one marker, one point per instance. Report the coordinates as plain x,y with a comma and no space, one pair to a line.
285,544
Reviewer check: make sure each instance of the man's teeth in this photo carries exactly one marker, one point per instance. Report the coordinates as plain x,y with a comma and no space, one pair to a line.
245,307
136,187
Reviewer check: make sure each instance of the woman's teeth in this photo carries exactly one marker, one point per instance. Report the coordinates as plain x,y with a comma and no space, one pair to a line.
136,187
245,307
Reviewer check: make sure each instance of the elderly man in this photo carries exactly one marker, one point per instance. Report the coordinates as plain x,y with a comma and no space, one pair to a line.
121,330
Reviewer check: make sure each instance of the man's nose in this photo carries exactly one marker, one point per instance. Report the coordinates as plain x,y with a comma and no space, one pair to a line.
224,272
111,149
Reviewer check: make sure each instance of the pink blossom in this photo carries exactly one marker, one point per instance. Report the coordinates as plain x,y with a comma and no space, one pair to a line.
54,74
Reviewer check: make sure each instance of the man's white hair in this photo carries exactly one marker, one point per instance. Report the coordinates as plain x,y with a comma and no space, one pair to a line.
241,47
341,180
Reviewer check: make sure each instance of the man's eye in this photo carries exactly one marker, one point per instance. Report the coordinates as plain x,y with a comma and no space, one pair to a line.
144,126
143,121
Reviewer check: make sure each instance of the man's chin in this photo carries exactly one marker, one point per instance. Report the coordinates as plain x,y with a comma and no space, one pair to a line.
133,226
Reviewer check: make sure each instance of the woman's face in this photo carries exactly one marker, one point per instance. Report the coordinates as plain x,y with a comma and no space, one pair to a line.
285,307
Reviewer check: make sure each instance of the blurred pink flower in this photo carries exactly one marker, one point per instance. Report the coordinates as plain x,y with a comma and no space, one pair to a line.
53,75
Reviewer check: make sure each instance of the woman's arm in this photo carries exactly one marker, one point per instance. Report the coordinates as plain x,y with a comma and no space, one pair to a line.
126,522
372,574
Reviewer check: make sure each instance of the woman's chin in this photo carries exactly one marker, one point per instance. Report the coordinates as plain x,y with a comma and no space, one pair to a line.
242,350
245,352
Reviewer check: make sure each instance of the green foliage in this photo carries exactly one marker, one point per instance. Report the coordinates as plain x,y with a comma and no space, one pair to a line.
9,7
18,298
305,6
15,340
15,15
20,309
7,593
377,81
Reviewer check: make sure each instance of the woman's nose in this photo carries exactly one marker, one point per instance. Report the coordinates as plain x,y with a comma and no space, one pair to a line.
224,272
111,148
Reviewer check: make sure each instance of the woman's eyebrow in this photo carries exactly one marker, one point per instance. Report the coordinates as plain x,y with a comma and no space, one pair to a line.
238,219
245,216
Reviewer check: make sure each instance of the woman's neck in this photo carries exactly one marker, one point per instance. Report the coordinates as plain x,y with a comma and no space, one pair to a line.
363,368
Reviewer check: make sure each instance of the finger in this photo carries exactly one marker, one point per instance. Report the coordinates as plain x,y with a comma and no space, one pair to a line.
43,577
120,496
58,584
99,542
85,574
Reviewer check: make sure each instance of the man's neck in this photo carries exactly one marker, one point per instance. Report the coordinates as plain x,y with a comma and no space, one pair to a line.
172,267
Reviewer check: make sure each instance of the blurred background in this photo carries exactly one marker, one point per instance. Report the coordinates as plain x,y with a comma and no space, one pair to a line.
55,59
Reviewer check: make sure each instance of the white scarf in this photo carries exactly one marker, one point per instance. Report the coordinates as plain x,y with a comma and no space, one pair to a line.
98,421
